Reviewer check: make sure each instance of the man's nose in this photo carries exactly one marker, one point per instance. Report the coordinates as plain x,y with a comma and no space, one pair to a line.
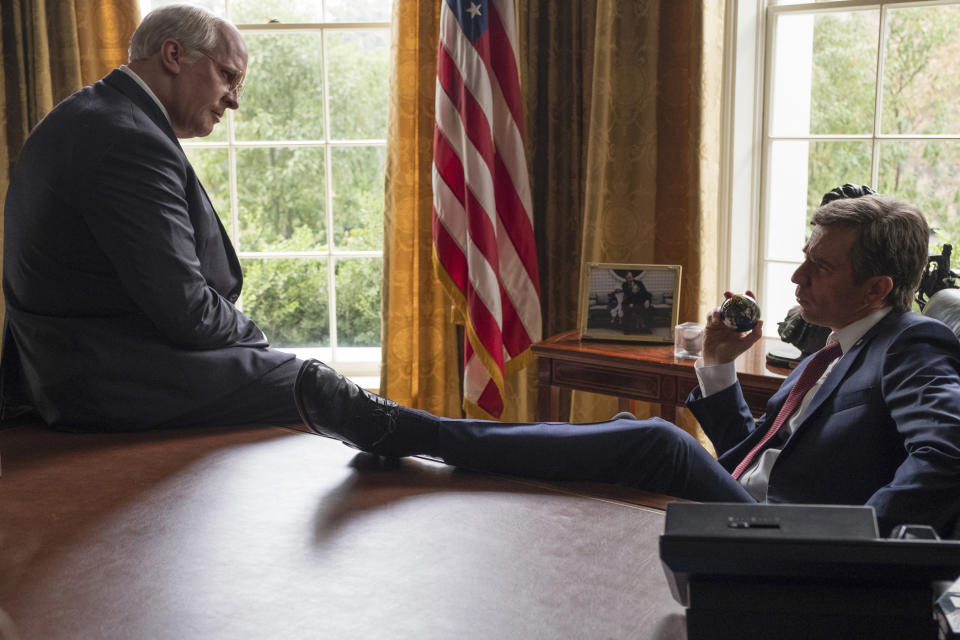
798,274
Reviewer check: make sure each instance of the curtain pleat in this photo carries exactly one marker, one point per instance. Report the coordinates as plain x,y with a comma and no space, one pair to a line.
48,50
419,366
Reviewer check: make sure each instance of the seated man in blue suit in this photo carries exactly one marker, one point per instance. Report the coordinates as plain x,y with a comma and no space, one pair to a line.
878,422
120,286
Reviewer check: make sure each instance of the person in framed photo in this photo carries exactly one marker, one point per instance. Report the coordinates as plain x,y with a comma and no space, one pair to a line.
637,305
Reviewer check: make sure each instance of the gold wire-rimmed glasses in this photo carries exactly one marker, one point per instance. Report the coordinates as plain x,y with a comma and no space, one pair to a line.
234,79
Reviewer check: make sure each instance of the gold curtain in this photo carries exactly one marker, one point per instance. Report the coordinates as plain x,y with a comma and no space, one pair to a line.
621,108
49,49
652,151
419,363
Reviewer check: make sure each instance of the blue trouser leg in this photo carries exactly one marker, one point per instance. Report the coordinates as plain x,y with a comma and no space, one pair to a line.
652,455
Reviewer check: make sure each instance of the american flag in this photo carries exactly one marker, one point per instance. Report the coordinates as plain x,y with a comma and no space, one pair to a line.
483,238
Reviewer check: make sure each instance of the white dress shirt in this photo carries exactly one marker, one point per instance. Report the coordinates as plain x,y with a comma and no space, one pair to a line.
143,85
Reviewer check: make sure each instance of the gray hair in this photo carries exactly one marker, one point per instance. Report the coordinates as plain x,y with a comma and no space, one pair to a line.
196,28
893,240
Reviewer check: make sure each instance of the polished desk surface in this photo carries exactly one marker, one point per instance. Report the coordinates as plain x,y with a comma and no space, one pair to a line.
276,533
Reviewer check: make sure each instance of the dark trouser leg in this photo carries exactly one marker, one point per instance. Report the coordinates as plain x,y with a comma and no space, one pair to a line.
266,401
652,455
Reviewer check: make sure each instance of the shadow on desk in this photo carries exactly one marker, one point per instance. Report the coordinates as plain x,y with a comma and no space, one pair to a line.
272,532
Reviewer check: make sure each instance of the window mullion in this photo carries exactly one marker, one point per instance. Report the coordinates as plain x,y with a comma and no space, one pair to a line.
328,199
878,98
232,179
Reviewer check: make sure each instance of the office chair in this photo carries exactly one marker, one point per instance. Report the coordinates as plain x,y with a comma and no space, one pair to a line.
944,305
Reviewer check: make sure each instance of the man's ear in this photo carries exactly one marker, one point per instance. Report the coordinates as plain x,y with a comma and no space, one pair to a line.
878,288
172,55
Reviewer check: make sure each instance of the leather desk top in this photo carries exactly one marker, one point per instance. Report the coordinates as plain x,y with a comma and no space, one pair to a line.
275,533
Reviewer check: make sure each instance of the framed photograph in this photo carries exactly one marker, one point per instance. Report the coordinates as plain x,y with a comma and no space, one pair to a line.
636,302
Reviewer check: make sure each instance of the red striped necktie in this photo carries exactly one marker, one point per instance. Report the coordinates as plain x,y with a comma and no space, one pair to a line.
808,378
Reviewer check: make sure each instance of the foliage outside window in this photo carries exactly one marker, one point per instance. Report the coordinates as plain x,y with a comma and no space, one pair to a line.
297,173
865,94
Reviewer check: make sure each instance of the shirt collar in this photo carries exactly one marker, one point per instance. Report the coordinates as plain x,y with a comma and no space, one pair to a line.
850,334
143,85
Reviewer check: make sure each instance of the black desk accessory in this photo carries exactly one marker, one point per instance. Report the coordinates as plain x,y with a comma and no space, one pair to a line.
802,571
947,613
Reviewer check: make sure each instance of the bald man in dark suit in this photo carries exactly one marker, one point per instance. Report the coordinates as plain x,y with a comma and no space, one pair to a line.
119,278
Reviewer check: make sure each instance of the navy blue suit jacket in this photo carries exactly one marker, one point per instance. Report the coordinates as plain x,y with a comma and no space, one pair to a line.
883,430
120,280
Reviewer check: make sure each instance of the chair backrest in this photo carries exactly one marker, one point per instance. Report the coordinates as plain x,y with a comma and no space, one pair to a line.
944,305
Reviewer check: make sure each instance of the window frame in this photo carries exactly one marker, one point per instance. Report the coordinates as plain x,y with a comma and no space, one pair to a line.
360,363
746,139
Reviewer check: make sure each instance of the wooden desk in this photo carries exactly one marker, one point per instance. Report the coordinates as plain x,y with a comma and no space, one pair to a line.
639,371
276,533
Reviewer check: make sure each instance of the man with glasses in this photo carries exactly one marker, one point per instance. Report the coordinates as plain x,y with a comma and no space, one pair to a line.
120,280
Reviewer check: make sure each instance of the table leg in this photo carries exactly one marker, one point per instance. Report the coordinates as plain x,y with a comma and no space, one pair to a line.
668,412
548,396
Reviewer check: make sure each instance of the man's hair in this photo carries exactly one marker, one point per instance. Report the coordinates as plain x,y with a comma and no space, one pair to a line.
893,239
196,28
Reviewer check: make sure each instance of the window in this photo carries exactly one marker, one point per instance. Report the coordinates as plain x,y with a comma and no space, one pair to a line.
297,173
829,92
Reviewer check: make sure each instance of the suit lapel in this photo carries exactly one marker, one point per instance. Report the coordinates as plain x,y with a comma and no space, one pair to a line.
840,370
120,81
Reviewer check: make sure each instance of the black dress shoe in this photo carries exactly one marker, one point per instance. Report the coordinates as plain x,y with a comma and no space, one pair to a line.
337,407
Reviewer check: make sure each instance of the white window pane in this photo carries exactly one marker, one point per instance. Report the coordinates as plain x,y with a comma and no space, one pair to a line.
281,199
358,282
786,204
843,94
921,76
358,73
778,295
799,173
283,91
833,163
824,73
358,199
216,6
925,174
284,11
301,11
792,57
287,298
358,10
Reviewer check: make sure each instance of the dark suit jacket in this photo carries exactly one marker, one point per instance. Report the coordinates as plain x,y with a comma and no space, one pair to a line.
119,277
883,430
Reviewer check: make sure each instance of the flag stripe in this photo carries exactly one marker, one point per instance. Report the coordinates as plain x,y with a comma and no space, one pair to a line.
505,69
518,228
481,244
471,112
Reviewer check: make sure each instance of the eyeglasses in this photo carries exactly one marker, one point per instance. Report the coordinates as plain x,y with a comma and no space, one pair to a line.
233,79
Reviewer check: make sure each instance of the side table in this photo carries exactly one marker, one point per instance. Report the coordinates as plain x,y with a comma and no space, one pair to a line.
639,372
